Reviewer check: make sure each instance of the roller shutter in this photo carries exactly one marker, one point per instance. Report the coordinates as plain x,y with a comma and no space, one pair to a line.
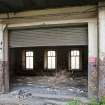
59,36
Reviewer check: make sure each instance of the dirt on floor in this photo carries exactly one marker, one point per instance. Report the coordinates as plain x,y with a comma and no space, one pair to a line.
45,90
61,80
53,82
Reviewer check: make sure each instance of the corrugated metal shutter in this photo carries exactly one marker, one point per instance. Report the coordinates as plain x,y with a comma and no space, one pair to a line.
49,37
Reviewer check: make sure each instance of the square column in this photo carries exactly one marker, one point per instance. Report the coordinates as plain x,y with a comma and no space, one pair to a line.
101,29
4,74
92,59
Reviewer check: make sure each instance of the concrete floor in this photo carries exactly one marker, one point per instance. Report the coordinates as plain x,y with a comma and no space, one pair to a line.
53,83
45,91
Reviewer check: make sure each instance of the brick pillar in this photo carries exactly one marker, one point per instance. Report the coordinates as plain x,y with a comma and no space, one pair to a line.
4,75
92,59
101,29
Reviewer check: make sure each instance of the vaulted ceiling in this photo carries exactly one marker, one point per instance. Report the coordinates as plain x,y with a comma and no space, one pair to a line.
22,5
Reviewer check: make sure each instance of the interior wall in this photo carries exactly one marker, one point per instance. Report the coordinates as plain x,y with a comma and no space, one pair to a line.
16,67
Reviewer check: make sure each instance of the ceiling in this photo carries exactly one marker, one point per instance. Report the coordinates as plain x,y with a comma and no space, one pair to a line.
22,5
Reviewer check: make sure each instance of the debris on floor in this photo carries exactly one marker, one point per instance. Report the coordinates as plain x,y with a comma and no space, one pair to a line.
45,90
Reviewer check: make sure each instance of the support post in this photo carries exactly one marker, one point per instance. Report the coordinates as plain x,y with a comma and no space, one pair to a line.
4,74
92,59
101,29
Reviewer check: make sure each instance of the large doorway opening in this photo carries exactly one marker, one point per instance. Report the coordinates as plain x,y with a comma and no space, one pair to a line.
50,61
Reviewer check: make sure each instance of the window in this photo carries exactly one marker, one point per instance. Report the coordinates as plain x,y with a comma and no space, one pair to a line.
29,59
75,59
51,59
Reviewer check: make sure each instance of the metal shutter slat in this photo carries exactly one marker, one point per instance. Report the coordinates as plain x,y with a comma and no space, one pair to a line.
49,37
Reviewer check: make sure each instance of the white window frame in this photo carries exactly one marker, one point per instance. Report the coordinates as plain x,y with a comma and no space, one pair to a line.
46,60
29,56
80,60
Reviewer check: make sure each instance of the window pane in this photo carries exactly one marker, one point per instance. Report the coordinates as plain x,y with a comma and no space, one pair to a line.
49,53
77,62
51,59
53,53
53,62
31,53
72,62
49,62
31,63
72,53
27,53
29,60
77,52
75,59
